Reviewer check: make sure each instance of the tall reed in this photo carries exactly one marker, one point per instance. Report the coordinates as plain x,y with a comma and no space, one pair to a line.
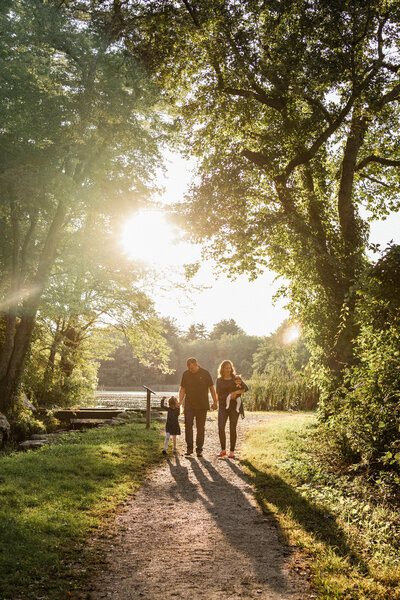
279,391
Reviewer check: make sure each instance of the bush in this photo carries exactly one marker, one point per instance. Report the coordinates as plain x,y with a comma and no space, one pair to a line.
278,391
360,425
24,423
76,389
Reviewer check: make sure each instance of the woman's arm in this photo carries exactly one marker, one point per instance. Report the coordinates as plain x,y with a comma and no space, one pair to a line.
244,388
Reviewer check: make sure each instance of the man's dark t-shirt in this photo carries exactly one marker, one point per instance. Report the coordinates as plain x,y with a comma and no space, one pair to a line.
196,388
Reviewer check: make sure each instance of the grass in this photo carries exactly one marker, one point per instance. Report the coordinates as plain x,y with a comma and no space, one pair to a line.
52,499
351,544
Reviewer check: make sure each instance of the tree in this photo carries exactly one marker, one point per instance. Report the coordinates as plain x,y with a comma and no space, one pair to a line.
361,429
291,109
226,326
93,304
196,331
79,139
275,354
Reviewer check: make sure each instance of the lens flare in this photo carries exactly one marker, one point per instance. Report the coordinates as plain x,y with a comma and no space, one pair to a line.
292,333
15,299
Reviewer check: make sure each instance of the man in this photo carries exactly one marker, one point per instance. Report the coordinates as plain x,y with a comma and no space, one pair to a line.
193,393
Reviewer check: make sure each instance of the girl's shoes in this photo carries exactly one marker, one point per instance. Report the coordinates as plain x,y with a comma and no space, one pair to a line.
221,454
231,455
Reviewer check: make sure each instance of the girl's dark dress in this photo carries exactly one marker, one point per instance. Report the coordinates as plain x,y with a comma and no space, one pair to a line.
172,425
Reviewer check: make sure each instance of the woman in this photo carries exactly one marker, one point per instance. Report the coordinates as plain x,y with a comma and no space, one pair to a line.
226,386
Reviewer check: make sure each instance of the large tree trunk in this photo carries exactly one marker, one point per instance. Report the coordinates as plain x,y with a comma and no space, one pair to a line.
49,371
343,351
13,356
72,339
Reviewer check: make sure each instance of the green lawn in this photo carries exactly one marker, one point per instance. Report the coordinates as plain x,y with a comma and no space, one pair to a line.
351,544
52,499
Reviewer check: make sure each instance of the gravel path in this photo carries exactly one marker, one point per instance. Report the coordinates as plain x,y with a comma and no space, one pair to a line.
194,531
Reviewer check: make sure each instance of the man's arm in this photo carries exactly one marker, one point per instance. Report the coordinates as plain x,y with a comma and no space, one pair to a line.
182,393
213,396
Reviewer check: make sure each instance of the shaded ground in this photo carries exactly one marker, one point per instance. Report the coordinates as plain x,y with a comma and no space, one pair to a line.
194,531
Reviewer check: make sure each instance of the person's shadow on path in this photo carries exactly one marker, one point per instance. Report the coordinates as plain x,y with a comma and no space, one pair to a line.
241,522
315,520
183,487
226,503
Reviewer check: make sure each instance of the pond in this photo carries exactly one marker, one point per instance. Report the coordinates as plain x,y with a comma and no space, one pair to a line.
129,399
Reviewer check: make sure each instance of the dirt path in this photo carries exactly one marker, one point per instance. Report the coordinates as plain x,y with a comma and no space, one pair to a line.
194,531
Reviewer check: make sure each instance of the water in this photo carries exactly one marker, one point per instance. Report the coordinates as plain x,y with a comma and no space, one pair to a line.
132,399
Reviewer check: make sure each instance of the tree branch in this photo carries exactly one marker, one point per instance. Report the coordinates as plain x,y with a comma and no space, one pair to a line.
387,162
305,155
313,102
258,158
374,180
192,13
394,94
260,96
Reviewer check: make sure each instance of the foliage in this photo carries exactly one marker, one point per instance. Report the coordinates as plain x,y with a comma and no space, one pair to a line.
362,427
124,370
226,326
276,354
53,498
79,147
350,536
279,390
291,110
24,423
196,331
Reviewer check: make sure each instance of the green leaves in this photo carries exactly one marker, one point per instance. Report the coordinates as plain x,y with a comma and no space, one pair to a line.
79,148
284,104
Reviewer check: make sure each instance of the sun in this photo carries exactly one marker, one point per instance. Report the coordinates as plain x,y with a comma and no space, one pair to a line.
148,236
292,333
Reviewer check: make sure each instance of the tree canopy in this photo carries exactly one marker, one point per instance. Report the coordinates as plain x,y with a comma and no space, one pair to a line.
291,109
79,146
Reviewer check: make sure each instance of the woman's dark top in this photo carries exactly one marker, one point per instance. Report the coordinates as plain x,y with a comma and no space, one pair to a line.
224,387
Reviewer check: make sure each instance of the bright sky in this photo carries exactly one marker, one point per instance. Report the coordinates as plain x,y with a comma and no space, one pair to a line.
249,303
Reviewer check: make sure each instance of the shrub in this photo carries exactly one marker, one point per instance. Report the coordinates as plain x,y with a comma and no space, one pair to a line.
23,424
278,391
360,426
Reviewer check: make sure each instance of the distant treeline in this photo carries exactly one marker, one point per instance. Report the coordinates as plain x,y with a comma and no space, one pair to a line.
275,369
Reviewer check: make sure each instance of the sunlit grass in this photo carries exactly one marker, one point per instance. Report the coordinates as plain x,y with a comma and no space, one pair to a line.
344,539
52,499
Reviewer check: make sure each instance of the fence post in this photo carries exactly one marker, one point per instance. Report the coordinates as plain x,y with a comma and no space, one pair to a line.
148,405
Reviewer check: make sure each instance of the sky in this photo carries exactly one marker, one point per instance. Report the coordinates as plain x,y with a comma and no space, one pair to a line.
249,303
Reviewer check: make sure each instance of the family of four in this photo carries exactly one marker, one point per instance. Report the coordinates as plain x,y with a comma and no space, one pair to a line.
193,396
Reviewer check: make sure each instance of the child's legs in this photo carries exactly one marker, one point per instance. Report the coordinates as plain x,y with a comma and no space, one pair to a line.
238,403
167,435
174,441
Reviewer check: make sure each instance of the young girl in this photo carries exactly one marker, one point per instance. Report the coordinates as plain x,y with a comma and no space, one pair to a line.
172,426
